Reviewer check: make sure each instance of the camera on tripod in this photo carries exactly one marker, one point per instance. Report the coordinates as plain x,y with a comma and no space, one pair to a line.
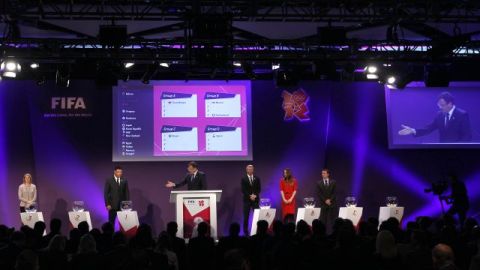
438,188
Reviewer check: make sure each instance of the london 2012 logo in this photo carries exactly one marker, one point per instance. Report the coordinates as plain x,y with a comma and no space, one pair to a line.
295,105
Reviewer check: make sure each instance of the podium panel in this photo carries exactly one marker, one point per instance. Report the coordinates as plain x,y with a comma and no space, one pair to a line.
262,214
387,212
76,217
29,219
308,215
128,221
352,213
192,208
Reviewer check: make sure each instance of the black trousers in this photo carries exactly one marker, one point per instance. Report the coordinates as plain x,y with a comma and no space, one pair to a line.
112,214
246,213
328,216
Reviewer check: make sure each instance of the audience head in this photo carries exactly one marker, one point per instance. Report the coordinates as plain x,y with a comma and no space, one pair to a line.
318,228
55,226
262,227
57,243
39,228
172,228
277,227
442,255
385,245
87,244
234,229
83,227
119,239
107,228
202,229
27,260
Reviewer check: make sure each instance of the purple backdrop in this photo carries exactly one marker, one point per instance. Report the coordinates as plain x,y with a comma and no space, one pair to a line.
71,158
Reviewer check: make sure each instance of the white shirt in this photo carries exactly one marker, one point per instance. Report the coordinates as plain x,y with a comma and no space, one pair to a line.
117,179
450,113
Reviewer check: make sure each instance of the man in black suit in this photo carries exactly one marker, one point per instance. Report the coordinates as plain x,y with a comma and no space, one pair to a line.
251,189
116,191
327,199
195,179
452,123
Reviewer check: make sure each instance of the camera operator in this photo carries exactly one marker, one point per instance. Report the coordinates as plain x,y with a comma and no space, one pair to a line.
458,198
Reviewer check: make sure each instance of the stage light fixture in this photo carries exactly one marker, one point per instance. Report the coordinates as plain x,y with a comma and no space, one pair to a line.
237,63
164,64
371,69
34,65
128,64
391,80
9,68
372,76
275,66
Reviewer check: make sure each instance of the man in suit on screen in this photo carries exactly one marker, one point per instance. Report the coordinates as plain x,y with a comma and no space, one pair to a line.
195,179
327,199
452,123
115,191
251,188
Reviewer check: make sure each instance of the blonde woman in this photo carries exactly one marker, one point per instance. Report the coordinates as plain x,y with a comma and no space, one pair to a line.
27,193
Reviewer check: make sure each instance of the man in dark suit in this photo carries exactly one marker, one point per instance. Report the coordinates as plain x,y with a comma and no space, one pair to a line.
452,123
251,189
195,179
116,191
327,199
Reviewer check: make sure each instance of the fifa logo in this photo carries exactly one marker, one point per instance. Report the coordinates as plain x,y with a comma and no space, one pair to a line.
67,103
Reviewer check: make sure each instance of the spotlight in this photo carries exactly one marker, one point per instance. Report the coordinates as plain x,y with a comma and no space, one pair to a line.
391,80
275,66
10,68
372,76
164,64
34,65
128,64
370,69
237,64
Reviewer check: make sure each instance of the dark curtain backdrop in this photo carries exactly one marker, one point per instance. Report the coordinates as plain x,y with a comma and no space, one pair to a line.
71,158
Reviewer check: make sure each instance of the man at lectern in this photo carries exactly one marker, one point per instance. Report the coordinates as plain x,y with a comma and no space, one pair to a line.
326,193
195,179
251,189
116,191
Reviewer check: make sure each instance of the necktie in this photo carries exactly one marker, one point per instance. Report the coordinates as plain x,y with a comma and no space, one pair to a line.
326,182
251,180
191,178
446,119
118,181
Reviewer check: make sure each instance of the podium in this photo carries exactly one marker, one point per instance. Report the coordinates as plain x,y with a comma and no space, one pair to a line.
29,219
352,213
308,215
193,207
128,221
76,217
262,214
387,212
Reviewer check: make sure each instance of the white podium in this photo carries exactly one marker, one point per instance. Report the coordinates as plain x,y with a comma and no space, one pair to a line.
193,207
76,217
128,221
308,214
387,212
352,213
29,219
262,214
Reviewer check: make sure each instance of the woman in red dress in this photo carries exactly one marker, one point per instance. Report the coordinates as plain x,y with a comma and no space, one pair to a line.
288,189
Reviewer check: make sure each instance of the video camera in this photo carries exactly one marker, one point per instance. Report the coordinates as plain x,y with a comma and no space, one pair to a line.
438,188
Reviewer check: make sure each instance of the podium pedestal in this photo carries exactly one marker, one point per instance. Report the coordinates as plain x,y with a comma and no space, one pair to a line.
387,212
192,208
352,213
308,214
29,219
76,217
128,221
262,214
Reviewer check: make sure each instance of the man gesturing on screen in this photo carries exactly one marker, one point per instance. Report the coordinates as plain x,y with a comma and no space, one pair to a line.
452,123
195,179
